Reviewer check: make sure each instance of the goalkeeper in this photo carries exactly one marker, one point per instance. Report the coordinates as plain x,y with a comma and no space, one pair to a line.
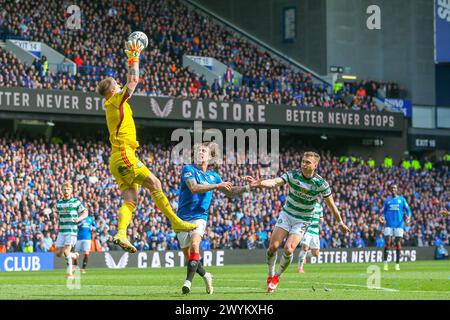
129,172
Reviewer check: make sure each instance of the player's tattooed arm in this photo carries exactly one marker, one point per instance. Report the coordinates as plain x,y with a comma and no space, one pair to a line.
335,211
202,188
269,183
236,190
84,215
133,77
272,183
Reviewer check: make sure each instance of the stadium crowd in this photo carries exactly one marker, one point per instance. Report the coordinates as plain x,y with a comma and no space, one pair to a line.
173,30
32,172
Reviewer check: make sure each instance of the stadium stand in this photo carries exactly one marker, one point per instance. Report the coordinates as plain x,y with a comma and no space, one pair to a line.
32,170
173,31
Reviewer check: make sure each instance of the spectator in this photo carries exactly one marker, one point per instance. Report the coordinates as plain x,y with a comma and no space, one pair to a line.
215,87
27,245
437,241
96,246
44,66
265,79
104,248
78,61
228,76
142,245
48,242
242,222
16,245
104,237
260,243
40,246
206,243
3,241
323,243
380,241
173,245
162,246
358,242
441,252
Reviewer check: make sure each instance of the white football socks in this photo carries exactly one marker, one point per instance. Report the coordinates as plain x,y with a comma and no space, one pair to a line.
271,261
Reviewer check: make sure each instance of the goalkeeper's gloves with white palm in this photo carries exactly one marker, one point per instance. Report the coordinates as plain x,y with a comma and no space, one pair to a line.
133,49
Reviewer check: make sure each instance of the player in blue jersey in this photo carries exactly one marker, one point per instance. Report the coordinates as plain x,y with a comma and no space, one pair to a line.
197,185
393,217
85,227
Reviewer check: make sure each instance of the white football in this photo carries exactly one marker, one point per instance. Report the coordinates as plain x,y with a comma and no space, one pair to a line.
139,35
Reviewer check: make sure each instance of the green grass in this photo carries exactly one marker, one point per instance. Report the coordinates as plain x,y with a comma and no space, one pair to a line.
416,280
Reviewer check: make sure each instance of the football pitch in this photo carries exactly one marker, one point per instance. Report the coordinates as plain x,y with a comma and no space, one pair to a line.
416,280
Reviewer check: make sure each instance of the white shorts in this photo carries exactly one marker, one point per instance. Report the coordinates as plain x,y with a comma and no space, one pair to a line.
396,232
311,240
184,238
83,246
65,240
291,224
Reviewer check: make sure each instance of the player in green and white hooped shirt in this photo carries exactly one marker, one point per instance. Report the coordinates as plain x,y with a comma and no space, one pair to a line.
305,188
311,237
68,210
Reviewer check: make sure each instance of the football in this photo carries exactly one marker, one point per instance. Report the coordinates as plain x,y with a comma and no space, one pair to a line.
141,36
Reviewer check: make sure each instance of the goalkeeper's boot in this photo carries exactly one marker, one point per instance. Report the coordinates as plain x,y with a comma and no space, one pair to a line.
186,287
273,284
397,267
208,278
182,226
124,244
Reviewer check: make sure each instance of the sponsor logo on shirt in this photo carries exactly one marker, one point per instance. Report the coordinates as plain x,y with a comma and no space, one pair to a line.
393,207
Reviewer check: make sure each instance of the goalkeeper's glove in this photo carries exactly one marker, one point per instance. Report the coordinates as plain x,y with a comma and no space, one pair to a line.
133,49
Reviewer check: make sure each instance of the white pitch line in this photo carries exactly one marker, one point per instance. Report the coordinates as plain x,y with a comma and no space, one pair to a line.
347,285
324,283
359,286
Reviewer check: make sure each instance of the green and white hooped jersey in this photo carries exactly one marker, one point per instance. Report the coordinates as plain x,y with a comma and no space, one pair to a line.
303,194
68,210
315,222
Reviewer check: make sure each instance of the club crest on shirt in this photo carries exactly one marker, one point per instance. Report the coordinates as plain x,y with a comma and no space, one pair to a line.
187,174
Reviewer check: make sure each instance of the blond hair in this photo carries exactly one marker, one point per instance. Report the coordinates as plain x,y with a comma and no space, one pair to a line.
105,86
67,184
312,154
